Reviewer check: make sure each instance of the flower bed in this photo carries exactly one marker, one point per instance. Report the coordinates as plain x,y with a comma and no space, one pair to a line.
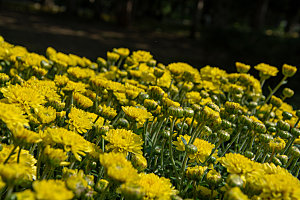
129,127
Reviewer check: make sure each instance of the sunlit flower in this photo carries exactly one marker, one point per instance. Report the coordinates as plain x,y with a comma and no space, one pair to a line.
51,190
123,141
138,115
118,167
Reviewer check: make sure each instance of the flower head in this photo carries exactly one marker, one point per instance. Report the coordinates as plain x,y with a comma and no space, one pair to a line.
123,141
138,115
51,190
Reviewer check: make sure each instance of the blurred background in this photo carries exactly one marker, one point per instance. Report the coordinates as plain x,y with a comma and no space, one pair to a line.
199,32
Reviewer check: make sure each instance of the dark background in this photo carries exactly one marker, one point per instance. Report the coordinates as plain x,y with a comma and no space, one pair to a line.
199,32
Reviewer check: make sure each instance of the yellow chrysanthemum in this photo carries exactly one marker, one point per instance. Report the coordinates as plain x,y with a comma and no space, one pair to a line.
154,187
204,148
266,70
25,97
239,164
123,141
12,115
118,167
82,121
70,140
138,115
51,190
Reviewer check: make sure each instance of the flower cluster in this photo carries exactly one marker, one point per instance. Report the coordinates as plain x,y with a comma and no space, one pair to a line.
129,127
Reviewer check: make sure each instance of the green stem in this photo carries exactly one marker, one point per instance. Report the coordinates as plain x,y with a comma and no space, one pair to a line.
183,166
231,142
212,152
19,153
275,89
289,144
272,155
10,189
10,154
171,150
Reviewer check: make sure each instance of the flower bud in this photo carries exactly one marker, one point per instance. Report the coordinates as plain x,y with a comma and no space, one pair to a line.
235,194
277,144
165,134
234,180
187,86
286,115
132,192
242,68
195,173
139,162
213,106
288,70
180,124
156,92
295,132
204,94
282,125
275,101
252,105
191,149
226,124
287,92
249,154
175,111
188,112
276,161
295,151
151,63
123,123
265,138
150,104
207,131
247,121
223,135
259,127
113,57
101,130
283,159
298,113
213,177
272,129
284,134
232,107
158,72
157,150
101,185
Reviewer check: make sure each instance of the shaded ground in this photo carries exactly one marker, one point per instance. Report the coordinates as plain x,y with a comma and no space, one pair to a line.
219,48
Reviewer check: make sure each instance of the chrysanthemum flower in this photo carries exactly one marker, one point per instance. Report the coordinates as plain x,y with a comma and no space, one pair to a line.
25,97
138,115
22,135
55,157
266,70
81,121
70,140
12,115
81,73
17,173
82,100
123,141
239,164
204,148
154,187
118,167
51,190
45,114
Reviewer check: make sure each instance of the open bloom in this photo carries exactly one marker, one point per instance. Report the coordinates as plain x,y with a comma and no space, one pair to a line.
124,141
